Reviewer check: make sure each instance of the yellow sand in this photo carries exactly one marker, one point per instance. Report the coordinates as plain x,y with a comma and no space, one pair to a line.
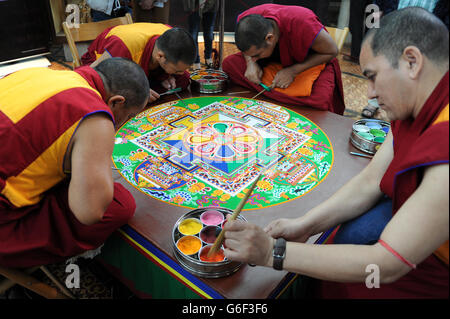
190,226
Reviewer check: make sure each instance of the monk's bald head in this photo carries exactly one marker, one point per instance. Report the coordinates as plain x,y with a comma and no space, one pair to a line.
178,46
124,77
252,31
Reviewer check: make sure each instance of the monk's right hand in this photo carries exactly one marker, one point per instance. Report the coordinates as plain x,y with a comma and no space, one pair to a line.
170,83
153,96
254,72
247,243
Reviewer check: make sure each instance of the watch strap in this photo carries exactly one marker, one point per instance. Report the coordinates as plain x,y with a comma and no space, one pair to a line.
279,253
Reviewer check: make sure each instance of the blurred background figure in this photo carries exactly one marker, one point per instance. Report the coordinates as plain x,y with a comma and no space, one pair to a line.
204,12
438,7
357,27
108,9
154,11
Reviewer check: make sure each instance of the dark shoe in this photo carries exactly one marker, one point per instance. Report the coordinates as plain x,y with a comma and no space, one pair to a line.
369,111
209,63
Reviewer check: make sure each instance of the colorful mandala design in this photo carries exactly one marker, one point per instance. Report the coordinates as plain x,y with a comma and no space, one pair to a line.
222,141
209,153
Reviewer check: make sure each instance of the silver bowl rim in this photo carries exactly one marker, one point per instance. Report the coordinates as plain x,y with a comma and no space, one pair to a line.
193,260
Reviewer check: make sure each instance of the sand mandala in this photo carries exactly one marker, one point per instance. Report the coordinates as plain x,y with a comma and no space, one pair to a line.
210,152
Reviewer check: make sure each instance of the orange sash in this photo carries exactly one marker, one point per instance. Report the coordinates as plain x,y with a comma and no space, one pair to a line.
442,251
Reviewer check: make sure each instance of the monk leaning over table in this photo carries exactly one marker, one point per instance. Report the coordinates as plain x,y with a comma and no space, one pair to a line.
58,198
287,46
164,53
394,215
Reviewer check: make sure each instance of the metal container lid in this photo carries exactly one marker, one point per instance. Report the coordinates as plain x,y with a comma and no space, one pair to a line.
209,80
368,134
192,262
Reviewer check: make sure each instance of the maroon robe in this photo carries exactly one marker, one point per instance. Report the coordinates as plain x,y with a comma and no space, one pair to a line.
418,144
116,48
48,231
299,28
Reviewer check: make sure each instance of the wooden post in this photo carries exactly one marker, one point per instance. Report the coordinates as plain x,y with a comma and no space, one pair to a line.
31,283
57,283
221,31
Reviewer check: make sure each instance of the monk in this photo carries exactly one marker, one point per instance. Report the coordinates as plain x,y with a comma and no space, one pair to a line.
287,48
164,53
397,228
57,194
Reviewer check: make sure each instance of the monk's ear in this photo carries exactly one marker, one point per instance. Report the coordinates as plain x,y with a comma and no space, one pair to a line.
270,38
413,60
160,55
116,101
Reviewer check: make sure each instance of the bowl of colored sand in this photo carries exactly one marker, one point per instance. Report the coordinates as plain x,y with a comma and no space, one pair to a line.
189,245
211,217
368,134
214,258
193,232
209,234
190,226
208,81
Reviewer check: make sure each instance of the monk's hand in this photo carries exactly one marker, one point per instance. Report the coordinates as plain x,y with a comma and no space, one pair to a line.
284,78
170,83
153,96
290,229
247,243
253,72
146,4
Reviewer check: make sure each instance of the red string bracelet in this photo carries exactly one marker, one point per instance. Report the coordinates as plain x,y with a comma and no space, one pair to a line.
396,254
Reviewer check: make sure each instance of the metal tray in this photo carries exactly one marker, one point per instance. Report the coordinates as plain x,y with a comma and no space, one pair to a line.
364,144
192,263
209,81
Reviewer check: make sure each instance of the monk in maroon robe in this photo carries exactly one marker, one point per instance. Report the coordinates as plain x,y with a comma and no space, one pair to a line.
289,48
406,63
163,52
58,198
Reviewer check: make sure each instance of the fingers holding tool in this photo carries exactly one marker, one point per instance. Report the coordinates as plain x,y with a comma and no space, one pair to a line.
169,83
153,96
247,242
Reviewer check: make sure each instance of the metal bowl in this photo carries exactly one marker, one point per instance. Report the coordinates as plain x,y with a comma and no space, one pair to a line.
366,144
209,81
192,263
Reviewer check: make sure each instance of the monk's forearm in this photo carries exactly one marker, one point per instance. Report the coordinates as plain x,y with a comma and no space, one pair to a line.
341,263
88,201
311,61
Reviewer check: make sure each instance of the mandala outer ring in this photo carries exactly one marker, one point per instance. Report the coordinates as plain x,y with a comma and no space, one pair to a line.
217,99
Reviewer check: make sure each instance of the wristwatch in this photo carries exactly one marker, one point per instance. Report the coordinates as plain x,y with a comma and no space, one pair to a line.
279,252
